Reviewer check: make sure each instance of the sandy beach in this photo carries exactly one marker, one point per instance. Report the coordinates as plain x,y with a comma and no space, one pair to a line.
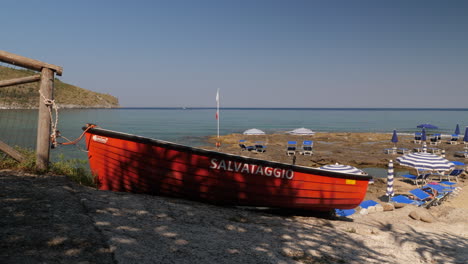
49,219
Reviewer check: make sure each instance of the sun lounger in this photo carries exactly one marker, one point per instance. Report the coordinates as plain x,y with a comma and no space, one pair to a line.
391,150
454,173
291,148
344,212
434,150
454,139
447,183
404,151
426,198
463,154
405,200
417,179
417,137
260,147
439,192
307,147
243,146
435,139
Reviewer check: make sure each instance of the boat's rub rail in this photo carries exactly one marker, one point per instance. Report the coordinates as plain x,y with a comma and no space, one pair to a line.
210,153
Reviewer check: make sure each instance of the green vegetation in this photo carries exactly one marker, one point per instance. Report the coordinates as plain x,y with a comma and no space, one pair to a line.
66,95
74,169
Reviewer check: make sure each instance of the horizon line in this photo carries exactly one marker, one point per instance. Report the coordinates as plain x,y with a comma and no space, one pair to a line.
298,108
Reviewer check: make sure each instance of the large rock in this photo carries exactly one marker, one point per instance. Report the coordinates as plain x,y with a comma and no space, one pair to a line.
414,215
426,217
399,205
388,207
379,208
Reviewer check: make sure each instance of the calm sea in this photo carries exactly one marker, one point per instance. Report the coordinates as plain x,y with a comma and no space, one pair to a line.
192,126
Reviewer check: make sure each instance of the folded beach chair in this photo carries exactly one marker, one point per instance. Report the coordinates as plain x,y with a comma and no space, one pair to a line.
291,148
417,137
454,139
260,147
243,146
307,147
424,197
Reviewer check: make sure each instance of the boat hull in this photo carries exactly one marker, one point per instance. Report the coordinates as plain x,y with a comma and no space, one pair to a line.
128,163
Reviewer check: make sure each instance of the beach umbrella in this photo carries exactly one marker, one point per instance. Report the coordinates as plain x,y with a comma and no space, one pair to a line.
428,126
394,137
301,131
465,137
254,131
425,161
390,191
342,169
457,130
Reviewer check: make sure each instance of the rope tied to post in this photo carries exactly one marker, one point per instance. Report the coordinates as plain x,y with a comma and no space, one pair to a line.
50,103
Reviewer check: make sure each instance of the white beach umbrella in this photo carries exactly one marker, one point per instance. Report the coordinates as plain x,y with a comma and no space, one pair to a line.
254,131
425,161
301,131
343,169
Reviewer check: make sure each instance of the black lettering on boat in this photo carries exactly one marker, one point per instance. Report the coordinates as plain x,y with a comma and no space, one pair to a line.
251,169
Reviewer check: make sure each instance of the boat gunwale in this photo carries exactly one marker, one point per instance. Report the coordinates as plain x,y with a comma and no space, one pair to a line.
212,154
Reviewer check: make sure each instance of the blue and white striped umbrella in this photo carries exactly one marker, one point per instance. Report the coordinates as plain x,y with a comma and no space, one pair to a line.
390,191
343,169
425,161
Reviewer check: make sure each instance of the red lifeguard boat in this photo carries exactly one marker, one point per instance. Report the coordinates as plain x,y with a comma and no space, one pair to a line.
129,163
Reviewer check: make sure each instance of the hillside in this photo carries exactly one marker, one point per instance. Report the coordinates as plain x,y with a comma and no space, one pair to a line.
66,95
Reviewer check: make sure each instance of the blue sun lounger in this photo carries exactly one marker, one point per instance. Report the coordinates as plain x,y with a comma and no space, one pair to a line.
307,147
259,147
440,192
344,212
422,196
417,137
291,148
422,177
243,146
405,200
368,203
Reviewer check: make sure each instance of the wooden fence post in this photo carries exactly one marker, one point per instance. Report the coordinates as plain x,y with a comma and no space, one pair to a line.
46,87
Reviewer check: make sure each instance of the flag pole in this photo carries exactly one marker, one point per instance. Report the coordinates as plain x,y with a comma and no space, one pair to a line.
217,117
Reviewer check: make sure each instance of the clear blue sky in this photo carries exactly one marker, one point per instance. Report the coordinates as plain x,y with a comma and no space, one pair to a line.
259,53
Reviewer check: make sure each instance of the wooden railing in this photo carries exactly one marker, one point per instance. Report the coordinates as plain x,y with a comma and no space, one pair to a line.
46,90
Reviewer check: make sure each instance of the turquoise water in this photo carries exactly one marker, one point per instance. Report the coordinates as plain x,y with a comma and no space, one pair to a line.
193,126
